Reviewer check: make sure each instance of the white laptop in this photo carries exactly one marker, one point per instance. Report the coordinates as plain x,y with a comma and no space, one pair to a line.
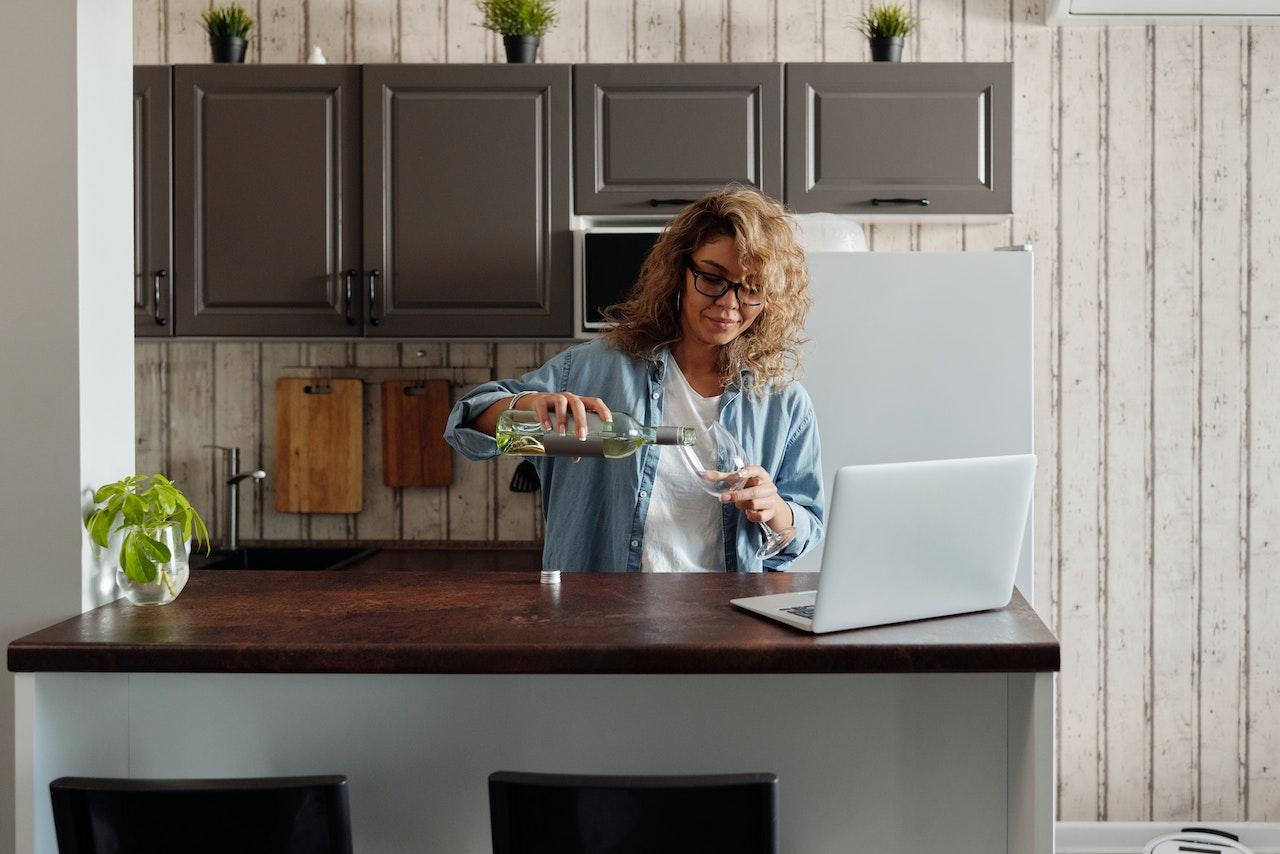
906,541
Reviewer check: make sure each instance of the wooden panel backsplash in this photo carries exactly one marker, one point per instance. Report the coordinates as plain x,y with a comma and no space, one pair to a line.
1145,177
193,394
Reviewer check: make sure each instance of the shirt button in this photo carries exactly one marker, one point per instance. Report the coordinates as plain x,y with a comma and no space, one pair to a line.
654,395
635,544
644,494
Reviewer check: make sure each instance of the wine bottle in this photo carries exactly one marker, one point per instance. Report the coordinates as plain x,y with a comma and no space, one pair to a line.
520,433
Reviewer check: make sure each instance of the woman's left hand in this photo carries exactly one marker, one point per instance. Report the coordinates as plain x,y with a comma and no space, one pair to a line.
758,497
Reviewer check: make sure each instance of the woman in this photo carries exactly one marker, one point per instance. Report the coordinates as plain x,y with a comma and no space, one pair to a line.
710,330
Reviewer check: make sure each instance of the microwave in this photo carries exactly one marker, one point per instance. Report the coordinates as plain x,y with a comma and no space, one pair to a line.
607,265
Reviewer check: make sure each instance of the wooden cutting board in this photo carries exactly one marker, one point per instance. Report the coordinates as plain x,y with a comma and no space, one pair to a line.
414,452
319,445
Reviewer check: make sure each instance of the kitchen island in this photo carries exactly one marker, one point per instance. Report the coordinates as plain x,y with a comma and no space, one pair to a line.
417,685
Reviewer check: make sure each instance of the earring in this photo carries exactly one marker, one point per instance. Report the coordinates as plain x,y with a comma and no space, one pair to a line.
679,294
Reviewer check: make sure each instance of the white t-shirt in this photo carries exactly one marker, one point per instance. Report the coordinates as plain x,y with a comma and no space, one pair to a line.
683,530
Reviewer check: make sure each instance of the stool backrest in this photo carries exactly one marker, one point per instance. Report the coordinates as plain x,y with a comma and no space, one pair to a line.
278,815
572,814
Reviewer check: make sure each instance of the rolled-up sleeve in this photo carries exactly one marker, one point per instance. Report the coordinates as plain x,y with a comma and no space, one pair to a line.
475,445
799,482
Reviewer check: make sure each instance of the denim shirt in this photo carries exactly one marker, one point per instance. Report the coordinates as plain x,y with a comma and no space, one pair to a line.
595,509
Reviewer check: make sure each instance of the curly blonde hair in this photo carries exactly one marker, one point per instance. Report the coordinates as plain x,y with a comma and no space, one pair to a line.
771,258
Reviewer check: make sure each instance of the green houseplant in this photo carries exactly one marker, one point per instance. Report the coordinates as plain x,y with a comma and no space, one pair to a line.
228,28
151,523
521,23
886,25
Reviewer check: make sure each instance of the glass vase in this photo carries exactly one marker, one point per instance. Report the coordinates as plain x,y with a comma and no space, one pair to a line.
171,576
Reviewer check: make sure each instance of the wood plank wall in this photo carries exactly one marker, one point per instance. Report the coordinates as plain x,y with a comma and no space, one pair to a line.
1145,176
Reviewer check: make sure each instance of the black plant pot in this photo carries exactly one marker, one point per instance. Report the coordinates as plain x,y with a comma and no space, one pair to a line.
886,50
227,48
521,48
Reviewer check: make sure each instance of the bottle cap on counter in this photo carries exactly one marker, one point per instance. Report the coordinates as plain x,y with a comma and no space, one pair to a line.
550,576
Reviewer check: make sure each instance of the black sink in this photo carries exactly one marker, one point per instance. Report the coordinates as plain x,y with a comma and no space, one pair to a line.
282,557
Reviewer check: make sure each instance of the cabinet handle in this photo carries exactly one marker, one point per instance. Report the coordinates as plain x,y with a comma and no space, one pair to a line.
351,319
155,307
653,203
921,202
373,297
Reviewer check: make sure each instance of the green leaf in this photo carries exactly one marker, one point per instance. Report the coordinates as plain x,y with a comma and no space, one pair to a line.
106,492
135,512
100,531
135,564
129,558
168,500
155,549
202,533
115,504
148,568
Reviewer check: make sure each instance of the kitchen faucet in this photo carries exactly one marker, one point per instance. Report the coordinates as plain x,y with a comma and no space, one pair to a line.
231,520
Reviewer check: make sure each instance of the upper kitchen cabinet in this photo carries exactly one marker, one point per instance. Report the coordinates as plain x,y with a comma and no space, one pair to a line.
920,139
267,183
466,201
152,211
652,137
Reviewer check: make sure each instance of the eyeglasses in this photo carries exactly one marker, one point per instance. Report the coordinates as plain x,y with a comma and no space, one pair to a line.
710,285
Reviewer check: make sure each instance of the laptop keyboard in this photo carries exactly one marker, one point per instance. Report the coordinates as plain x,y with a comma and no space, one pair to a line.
805,611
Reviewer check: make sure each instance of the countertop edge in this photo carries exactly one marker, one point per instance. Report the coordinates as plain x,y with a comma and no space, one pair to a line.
364,659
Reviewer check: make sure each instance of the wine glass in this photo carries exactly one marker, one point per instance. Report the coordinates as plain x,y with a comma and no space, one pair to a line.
717,459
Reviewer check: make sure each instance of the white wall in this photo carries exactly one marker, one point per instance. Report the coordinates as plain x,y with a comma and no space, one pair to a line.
66,357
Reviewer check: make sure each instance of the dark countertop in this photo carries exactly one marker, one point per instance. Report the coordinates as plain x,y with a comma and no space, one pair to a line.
507,622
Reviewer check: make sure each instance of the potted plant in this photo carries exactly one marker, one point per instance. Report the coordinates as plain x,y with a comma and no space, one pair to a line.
886,25
151,524
228,28
521,23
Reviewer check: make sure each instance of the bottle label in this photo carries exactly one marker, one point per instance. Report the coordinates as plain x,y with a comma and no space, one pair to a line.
572,446
668,435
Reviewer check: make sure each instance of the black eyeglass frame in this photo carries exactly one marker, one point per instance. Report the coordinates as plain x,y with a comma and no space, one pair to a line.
736,286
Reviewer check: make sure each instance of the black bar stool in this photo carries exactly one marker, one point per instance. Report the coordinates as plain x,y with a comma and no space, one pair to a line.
270,815
572,814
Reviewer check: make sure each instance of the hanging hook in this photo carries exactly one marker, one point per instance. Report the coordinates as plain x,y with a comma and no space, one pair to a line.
325,387
419,385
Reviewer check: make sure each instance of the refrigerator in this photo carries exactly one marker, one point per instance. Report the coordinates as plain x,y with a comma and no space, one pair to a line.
920,356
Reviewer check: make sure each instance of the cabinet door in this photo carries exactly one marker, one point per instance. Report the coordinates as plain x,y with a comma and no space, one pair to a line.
900,138
267,204
652,137
466,215
152,214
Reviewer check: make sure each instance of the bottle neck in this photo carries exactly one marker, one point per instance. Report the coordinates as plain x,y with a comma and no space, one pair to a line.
670,435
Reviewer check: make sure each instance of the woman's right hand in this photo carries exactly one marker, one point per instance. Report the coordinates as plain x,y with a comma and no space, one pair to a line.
555,408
